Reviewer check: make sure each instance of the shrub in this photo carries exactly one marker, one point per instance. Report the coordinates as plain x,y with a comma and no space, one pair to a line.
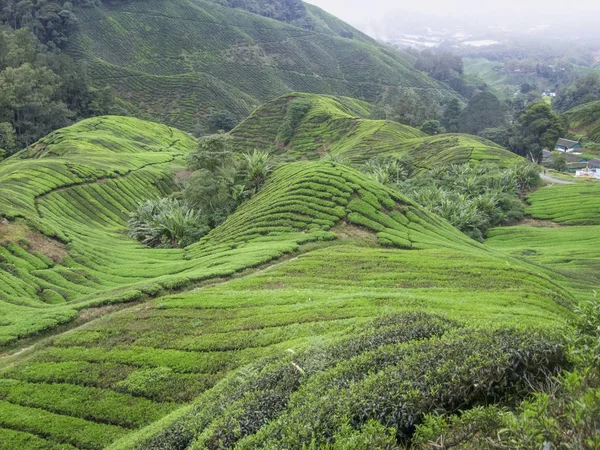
166,223
223,120
565,414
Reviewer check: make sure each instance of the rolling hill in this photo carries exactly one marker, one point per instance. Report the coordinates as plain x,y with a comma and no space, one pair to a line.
178,61
308,126
584,121
344,289
68,198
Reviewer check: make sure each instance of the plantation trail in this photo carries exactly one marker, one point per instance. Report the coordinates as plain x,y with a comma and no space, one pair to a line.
550,179
87,317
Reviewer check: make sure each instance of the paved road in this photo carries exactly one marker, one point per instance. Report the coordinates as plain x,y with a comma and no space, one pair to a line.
550,179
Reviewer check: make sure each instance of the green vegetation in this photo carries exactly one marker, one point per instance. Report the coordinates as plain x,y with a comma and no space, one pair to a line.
584,121
586,89
180,62
338,126
371,293
40,90
577,204
473,199
483,111
166,223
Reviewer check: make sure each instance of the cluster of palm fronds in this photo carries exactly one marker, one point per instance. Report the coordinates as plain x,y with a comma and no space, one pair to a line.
165,222
472,198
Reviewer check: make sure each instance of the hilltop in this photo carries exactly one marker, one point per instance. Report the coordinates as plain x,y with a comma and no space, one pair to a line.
308,126
177,62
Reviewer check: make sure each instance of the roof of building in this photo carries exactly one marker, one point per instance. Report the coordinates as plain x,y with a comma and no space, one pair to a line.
595,163
566,142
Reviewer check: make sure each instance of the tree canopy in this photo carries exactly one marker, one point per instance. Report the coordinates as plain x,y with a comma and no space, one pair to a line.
483,111
537,128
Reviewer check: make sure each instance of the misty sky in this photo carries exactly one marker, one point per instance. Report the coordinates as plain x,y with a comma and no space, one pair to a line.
365,11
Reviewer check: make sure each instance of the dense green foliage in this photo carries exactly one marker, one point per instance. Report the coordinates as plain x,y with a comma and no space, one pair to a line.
483,111
566,413
473,199
179,62
447,68
584,121
40,91
407,107
380,380
537,128
52,21
337,126
166,223
450,116
585,89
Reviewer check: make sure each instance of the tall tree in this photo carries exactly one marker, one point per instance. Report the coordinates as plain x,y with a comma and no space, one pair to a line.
483,111
537,128
450,116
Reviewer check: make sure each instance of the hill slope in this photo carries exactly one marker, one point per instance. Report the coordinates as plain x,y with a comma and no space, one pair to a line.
584,120
77,185
380,296
309,126
178,61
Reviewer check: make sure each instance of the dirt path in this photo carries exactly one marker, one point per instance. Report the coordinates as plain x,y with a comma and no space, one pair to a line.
553,180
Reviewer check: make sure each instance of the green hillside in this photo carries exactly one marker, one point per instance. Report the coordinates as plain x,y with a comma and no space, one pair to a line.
362,284
317,125
584,121
575,204
77,185
176,62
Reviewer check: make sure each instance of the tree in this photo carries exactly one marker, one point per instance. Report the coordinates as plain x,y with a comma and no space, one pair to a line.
256,166
526,88
450,116
483,111
213,151
500,135
28,101
559,162
405,106
537,128
8,140
585,89
223,120
431,127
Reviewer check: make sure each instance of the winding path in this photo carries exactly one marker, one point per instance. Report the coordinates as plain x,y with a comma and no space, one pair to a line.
550,179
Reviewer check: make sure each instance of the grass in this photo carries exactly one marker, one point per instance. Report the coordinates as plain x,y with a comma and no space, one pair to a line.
177,62
339,126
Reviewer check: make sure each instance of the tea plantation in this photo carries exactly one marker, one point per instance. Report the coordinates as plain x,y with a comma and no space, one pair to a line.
575,204
300,125
179,61
327,310
584,121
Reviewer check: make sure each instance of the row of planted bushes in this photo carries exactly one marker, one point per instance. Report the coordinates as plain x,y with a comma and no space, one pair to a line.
372,388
